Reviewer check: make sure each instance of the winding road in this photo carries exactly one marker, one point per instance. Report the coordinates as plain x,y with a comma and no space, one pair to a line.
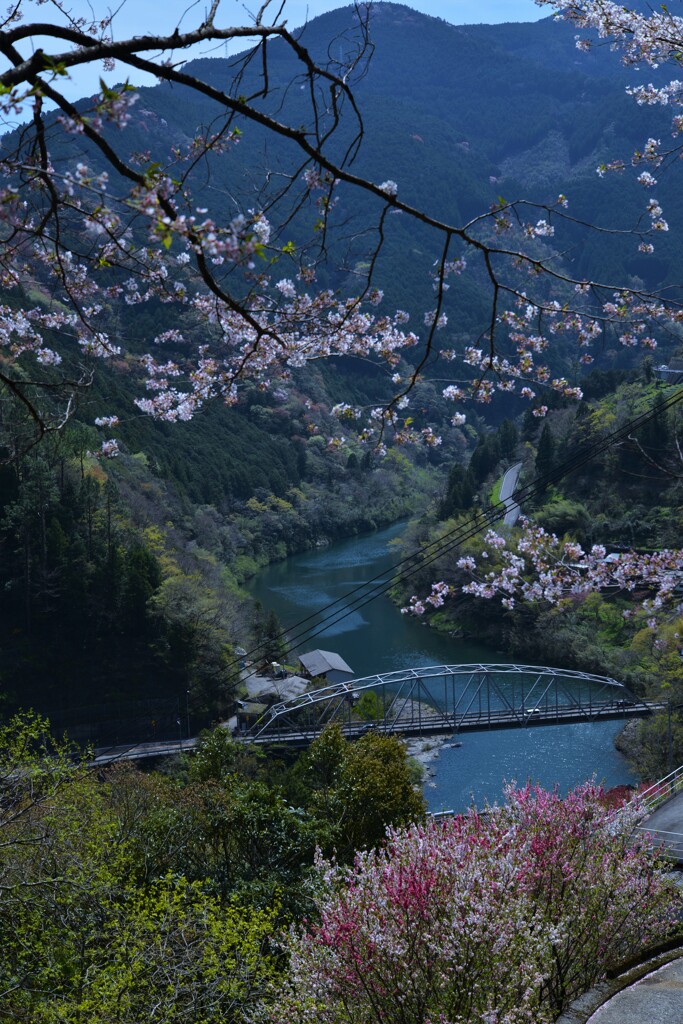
507,489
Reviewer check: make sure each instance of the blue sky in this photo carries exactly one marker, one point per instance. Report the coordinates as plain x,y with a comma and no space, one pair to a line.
135,17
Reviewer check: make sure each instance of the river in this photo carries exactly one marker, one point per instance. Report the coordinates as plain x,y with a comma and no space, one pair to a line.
377,638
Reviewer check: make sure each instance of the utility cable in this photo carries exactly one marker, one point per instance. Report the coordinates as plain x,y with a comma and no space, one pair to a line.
407,567
378,584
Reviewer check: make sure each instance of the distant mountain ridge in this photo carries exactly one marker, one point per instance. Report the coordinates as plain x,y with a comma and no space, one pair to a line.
458,115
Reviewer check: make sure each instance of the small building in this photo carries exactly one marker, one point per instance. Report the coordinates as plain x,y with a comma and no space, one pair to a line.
248,714
327,664
270,691
671,373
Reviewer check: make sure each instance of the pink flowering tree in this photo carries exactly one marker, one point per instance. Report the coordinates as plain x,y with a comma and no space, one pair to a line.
500,917
90,237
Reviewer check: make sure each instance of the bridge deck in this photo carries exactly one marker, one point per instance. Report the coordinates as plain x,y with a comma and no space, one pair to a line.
431,725
432,699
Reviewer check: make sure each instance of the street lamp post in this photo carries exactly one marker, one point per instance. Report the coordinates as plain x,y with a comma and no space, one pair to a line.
187,711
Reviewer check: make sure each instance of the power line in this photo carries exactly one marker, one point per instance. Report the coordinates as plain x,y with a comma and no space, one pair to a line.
378,584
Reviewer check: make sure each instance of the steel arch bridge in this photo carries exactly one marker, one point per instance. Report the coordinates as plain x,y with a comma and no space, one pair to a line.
450,698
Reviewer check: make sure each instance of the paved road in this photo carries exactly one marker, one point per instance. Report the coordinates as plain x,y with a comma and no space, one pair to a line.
656,999
141,751
666,826
474,722
506,489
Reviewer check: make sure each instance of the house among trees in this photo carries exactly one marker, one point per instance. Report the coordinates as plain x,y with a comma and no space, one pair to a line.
327,664
272,690
671,374
248,713
262,693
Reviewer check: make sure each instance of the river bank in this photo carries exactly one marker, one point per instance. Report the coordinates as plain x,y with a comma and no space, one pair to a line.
374,637
628,742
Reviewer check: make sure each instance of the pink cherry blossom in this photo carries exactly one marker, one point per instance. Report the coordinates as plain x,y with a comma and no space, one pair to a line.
501,916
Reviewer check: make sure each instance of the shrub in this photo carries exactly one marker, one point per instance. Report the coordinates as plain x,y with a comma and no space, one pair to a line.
502,917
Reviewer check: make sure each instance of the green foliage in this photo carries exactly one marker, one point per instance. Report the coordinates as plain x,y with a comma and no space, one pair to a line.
217,757
563,516
128,896
359,788
375,790
459,492
508,435
545,454
485,457
658,745
268,636
368,706
177,953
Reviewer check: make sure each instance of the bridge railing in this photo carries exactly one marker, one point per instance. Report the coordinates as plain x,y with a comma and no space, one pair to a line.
451,697
663,790
669,844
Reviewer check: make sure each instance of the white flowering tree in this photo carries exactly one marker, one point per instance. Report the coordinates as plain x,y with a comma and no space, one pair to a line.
536,566
81,239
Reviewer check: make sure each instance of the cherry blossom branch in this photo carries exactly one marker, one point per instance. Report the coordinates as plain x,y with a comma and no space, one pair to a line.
260,326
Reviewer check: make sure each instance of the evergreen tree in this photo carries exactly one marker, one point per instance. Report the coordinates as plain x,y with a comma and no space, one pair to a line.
267,630
655,435
545,453
508,437
142,577
459,492
485,457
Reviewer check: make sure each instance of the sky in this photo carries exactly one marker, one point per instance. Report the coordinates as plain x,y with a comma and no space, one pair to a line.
458,12
135,17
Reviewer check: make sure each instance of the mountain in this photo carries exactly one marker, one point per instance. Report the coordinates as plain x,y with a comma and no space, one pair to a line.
458,116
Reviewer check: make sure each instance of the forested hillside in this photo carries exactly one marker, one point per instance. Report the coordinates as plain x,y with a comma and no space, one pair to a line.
135,566
121,581
627,497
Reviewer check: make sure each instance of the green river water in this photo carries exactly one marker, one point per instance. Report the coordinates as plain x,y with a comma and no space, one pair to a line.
377,638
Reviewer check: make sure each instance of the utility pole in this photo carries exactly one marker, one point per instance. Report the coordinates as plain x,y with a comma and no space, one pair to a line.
187,712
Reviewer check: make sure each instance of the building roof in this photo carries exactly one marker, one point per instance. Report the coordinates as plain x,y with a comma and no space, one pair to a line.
318,663
265,688
251,707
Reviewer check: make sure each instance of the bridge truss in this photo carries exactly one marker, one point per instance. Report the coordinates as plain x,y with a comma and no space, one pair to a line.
450,698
